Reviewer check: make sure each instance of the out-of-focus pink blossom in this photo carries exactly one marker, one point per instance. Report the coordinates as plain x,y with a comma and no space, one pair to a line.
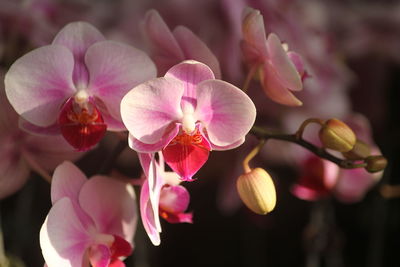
170,48
21,152
161,195
76,84
185,114
280,71
91,221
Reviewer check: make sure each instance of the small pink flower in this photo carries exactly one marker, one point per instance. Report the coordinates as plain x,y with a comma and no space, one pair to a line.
161,195
280,72
170,48
91,221
76,84
186,114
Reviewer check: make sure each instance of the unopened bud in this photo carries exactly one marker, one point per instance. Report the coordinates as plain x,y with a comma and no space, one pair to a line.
257,191
336,135
375,163
360,151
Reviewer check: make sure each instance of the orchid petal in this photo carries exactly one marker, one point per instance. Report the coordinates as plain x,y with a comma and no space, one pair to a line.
53,129
138,146
149,215
78,37
275,90
254,33
190,73
150,108
14,172
285,69
38,83
67,182
174,199
114,70
166,50
113,124
63,238
224,111
111,205
194,48
99,255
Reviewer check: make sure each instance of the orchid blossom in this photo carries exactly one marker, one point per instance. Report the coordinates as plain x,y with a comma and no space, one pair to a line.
21,152
161,195
186,114
91,221
280,71
170,48
75,85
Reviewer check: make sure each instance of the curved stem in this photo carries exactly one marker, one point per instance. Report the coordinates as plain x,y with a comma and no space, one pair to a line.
249,77
251,155
299,133
262,133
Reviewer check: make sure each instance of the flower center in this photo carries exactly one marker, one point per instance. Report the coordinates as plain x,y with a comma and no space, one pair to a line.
81,122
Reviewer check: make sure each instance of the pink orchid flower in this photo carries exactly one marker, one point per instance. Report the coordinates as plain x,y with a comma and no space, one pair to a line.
76,84
186,114
22,152
280,72
170,48
161,195
91,221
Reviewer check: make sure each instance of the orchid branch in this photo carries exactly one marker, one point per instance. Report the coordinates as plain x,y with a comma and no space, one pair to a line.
262,133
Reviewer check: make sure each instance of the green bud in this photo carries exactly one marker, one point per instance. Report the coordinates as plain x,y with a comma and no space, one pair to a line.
336,135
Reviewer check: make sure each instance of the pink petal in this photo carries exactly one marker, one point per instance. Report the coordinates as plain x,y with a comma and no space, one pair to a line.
194,48
190,73
38,83
151,148
111,205
53,129
150,108
78,37
99,256
285,69
353,184
67,182
14,172
275,90
113,124
254,34
224,111
149,215
114,70
165,49
230,146
297,61
178,217
120,247
174,199
63,238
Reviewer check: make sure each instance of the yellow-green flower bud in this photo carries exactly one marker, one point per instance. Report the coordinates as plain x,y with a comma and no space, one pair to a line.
257,191
336,135
360,151
375,163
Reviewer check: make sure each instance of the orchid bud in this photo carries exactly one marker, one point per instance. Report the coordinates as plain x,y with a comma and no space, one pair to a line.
336,135
360,151
375,163
257,191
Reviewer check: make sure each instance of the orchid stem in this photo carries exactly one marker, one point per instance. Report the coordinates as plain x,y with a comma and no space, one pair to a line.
36,167
264,134
251,155
300,131
249,77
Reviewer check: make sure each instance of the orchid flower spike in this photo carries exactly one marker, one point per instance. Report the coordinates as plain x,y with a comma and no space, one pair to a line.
280,71
75,85
161,195
169,48
186,114
91,221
